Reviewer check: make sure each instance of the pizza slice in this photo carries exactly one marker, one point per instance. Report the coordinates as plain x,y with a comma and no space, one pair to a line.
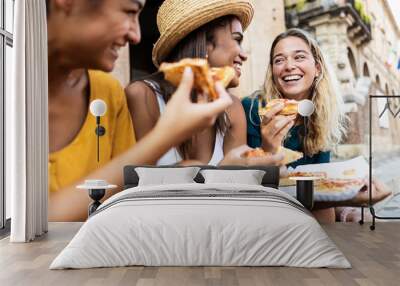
289,155
337,185
308,174
256,152
224,74
290,106
204,77
286,182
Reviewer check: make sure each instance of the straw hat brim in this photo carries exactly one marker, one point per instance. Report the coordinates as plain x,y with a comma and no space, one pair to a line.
192,19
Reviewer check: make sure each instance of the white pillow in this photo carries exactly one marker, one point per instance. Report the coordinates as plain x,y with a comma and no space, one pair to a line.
164,176
248,177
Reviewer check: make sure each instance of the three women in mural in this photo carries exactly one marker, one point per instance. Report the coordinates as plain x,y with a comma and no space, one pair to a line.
205,133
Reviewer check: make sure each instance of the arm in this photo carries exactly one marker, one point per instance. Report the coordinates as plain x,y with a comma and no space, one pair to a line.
274,128
379,192
143,108
236,134
124,136
169,131
146,151
269,133
235,141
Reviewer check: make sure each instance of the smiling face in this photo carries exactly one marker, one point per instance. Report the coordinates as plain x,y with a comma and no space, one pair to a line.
88,34
294,68
226,49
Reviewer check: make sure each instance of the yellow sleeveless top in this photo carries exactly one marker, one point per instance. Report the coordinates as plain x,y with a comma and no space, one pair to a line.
79,158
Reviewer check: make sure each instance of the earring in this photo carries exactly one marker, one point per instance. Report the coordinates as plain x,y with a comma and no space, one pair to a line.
207,56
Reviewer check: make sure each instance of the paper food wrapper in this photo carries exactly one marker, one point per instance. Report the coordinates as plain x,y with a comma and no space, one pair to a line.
352,171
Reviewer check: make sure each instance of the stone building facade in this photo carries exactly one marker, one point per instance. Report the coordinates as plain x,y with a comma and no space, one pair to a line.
360,38
268,22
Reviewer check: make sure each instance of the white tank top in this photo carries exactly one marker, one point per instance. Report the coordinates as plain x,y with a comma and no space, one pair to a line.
172,156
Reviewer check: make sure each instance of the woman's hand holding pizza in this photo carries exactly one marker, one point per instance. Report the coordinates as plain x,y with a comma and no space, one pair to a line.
379,192
183,118
237,156
274,127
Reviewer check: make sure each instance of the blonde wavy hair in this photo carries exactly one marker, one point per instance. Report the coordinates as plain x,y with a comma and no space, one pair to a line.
327,124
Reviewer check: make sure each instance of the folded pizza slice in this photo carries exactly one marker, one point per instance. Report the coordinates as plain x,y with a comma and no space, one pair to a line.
290,106
256,152
224,75
308,174
289,155
204,77
338,185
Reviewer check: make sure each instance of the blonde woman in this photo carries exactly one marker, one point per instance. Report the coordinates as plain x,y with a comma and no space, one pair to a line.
298,70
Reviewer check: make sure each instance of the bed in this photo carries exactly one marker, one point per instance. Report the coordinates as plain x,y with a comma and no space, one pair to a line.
204,222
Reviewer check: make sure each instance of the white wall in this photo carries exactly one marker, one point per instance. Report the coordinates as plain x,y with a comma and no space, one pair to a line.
9,66
268,22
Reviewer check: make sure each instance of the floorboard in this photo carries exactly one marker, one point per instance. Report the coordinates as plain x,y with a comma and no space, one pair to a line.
374,255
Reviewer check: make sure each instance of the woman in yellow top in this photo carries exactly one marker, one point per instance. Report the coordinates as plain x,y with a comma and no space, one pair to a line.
86,35
79,157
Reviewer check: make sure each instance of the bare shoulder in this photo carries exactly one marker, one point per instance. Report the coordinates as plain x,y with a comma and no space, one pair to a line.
236,135
140,96
143,107
138,90
236,109
236,101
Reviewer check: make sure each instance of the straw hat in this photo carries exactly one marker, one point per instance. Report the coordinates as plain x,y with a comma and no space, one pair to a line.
178,18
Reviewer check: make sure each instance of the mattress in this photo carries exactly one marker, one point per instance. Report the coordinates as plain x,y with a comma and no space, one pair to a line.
201,225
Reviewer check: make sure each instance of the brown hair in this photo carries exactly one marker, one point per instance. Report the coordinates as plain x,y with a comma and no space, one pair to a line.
194,46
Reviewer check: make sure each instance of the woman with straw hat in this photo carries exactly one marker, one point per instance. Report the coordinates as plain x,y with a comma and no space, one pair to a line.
209,29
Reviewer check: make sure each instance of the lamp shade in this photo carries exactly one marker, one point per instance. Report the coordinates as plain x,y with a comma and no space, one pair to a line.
98,107
306,107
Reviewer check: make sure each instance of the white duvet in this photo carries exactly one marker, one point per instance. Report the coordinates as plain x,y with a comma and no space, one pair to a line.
201,224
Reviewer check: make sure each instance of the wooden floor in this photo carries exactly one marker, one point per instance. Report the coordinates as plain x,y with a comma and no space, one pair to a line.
374,255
